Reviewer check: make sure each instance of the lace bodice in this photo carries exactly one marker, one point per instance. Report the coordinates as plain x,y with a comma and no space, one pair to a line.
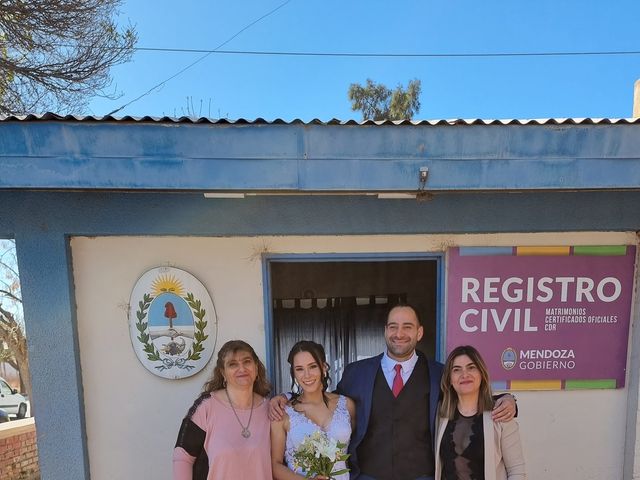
300,426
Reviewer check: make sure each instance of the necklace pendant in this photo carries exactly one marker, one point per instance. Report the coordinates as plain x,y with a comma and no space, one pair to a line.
246,433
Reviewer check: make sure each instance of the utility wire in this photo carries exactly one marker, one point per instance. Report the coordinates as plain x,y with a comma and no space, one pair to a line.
387,55
365,54
208,52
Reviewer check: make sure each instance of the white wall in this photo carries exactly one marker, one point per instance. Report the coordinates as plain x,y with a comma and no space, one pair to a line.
132,416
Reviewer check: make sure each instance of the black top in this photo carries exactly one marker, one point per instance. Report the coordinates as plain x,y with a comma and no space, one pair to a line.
191,438
462,448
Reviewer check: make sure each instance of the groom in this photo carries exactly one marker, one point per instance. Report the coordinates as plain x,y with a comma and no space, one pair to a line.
396,395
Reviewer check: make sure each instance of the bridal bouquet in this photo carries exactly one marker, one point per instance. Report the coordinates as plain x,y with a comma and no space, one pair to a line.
318,454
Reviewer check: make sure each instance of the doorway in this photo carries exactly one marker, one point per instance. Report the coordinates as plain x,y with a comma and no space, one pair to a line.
342,304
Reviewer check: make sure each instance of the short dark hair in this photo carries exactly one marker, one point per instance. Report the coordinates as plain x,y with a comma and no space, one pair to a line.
403,305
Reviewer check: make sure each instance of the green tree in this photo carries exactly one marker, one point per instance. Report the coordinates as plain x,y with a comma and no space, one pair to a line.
13,342
55,54
378,102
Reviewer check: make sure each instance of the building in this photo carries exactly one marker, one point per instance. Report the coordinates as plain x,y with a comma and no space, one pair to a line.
247,206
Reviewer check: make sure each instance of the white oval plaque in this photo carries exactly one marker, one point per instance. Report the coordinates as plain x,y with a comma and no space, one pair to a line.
172,323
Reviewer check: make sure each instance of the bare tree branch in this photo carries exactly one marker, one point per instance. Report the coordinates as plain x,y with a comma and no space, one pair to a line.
10,295
54,54
12,332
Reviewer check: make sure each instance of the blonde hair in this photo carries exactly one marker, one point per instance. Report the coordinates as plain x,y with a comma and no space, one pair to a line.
449,402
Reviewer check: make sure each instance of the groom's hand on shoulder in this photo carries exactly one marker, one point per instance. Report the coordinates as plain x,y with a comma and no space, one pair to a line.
505,408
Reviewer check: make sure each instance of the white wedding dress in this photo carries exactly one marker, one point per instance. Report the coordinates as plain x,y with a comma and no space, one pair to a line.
300,426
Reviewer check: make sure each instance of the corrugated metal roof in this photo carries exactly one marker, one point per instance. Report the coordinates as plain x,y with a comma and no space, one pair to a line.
315,121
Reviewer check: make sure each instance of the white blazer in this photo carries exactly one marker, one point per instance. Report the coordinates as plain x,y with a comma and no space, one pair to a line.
503,458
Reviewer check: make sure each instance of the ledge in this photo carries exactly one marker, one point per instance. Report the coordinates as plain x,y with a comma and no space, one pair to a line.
17,427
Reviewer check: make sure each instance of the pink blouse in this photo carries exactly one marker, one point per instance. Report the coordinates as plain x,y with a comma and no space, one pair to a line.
231,456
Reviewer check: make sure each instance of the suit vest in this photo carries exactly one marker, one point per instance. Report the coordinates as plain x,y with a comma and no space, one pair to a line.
398,443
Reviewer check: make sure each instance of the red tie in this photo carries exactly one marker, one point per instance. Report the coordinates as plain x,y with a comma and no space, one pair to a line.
397,381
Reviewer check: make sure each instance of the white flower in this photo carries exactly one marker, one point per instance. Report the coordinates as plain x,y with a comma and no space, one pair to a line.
318,454
328,448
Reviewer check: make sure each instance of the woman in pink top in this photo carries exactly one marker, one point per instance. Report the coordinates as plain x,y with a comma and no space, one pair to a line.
225,434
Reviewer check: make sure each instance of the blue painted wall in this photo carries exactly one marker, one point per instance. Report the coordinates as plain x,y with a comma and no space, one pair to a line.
42,221
151,156
581,178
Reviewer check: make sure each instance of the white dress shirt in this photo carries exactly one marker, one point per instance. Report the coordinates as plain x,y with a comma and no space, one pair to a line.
388,365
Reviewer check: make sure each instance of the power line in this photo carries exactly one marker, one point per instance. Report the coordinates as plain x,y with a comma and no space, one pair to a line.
388,55
207,53
365,54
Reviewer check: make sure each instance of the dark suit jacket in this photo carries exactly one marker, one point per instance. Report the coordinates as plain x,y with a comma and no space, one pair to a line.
357,382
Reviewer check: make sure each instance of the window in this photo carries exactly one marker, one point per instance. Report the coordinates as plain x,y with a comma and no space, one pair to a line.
5,389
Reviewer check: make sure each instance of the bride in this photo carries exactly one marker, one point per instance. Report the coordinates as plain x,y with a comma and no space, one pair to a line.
309,410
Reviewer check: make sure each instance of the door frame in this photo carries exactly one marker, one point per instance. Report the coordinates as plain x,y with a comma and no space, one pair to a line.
269,258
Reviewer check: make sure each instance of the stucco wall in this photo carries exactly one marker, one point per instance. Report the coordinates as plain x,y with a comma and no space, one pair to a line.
132,416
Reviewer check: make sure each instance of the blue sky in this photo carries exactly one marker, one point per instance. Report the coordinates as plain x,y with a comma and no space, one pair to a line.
270,87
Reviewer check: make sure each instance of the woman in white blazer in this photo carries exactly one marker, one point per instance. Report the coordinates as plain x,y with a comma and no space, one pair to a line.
469,444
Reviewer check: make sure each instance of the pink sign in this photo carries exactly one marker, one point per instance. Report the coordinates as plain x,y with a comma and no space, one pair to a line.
543,317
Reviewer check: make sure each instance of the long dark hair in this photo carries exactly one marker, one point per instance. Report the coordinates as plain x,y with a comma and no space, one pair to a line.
261,385
449,402
317,352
